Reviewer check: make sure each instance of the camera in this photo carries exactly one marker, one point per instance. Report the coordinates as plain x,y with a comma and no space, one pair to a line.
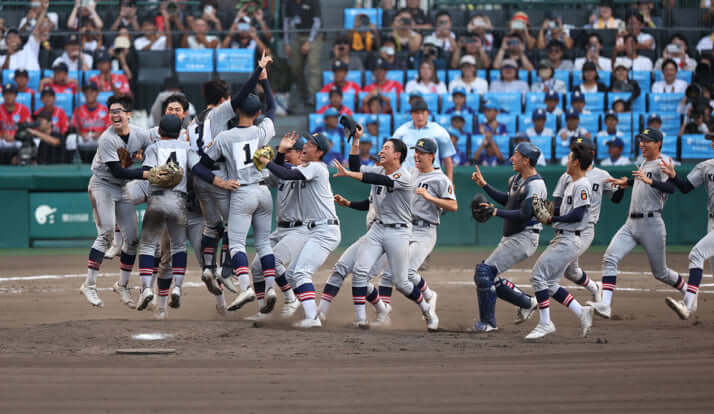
513,42
518,25
243,27
27,150
363,21
405,20
430,51
552,24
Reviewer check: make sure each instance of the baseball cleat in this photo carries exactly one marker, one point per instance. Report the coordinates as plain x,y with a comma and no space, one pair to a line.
541,330
383,320
113,252
597,295
523,314
175,300
147,295
257,317
289,308
90,292
244,297
678,307
124,293
154,304
361,324
270,299
221,309
161,315
601,309
432,320
209,280
586,320
483,327
229,283
432,301
308,323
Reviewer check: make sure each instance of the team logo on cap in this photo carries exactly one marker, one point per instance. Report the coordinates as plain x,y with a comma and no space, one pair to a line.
583,195
420,143
646,131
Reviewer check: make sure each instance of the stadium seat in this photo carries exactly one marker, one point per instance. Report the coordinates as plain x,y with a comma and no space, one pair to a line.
384,122
696,147
352,76
603,76
102,98
323,98
393,75
534,100
508,101
463,144
74,74
391,95
664,102
314,121
671,122
591,122
510,120
525,121
64,101
685,75
502,141
87,74
193,68
400,119
495,74
594,101
624,124
375,17
431,99
601,143
643,78
154,68
8,75
25,98
472,100
669,145
445,121
639,105
559,74
545,145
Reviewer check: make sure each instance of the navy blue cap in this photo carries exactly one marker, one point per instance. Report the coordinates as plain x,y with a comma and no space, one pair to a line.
419,105
297,146
335,89
323,144
22,72
552,96
170,126
611,114
654,117
47,91
61,66
572,113
616,142
539,114
90,85
584,141
427,145
381,64
339,65
650,134
251,104
102,56
528,150
577,96
9,88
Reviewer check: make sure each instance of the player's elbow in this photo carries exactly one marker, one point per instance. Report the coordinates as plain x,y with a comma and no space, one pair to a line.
452,206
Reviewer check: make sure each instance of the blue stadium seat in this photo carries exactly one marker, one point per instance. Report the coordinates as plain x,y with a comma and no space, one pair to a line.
194,60
102,98
445,121
545,145
669,145
594,101
664,102
393,75
695,147
502,141
510,120
560,150
64,101
431,99
8,75
384,122
525,121
495,74
375,17
462,145
74,74
25,98
685,75
602,146
591,122
323,98
603,75
671,122
87,74
235,60
559,74
639,105
412,75
643,78
534,100
400,119
508,101
453,74
314,121
472,100
391,95
352,76
625,124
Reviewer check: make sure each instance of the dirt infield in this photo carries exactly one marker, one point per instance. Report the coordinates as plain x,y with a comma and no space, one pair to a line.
57,353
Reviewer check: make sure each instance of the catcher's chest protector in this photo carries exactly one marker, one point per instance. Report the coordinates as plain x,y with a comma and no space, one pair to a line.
517,192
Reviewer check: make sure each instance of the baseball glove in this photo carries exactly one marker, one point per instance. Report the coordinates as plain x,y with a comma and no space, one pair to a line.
481,209
543,210
124,157
267,152
166,176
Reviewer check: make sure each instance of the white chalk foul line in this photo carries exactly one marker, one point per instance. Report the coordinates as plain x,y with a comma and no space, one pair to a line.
569,287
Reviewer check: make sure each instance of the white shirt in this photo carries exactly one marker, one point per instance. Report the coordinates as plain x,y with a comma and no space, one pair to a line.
141,42
546,132
679,86
604,63
705,43
414,86
608,162
54,18
74,64
194,44
585,89
640,63
646,37
444,44
25,58
478,85
604,133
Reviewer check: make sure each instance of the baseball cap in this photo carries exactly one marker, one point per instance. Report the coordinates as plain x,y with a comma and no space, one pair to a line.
459,90
12,30
577,96
251,104
432,41
509,63
102,56
323,144
419,105
47,91
331,112
539,114
170,126
490,104
650,134
617,142
427,145
339,65
61,66
22,72
90,85
611,114
552,96
584,141
458,114
572,113
298,145
467,60
545,63
416,93
381,64
72,40
621,64
335,89
521,137
654,117
9,88
589,66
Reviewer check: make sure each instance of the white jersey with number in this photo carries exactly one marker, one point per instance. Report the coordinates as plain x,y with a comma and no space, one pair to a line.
174,150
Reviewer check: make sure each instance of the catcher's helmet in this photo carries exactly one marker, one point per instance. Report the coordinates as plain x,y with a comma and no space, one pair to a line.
529,151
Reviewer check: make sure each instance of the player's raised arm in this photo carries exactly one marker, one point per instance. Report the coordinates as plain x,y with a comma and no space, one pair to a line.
249,85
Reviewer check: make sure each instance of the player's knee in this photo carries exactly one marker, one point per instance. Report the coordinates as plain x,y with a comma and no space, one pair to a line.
484,275
386,279
609,261
405,287
696,258
335,279
341,270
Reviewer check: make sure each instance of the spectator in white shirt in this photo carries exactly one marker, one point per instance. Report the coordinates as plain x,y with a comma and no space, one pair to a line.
152,39
29,22
635,23
468,80
426,81
592,54
73,57
443,37
539,129
615,146
677,51
706,43
200,39
509,79
555,54
631,60
19,56
670,83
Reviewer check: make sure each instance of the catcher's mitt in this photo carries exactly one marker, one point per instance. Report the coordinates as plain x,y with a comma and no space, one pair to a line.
543,210
166,176
124,157
267,152
481,209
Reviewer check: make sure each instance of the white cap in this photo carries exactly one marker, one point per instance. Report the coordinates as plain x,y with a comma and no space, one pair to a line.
467,59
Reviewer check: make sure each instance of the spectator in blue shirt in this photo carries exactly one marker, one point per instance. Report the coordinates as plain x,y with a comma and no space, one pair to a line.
552,99
491,126
332,130
460,157
488,153
459,98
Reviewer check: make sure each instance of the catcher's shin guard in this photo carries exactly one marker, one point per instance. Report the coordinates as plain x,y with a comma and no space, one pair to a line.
486,293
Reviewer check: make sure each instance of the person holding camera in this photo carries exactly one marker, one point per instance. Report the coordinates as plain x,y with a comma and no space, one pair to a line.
635,23
12,113
18,56
342,51
592,54
676,50
127,17
208,9
302,20
421,19
480,26
242,35
82,11
51,148
73,57
443,37
631,60
553,29
199,37
404,33
123,55
513,49
152,38
472,46
364,37
670,83
519,26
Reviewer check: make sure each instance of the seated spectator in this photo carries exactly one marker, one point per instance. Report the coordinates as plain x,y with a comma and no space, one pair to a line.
73,57
376,104
619,106
60,82
90,37
552,103
82,14
646,8
610,127
460,157
404,33
539,129
381,84
615,146
553,29
524,138
654,121
364,37
124,57
199,37
108,81
51,148
241,35
421,19
90,119
631,59
622,83
491,125
468,80
555,55
670,83
60,122
459,98
577,101
22,77
605,19
342,50
512,49
571,129
696,122
152,38
336,103
472,46
426,81
333,155
339,69
488,153
546,81
590,80
12,113
481,28
332,130
366,143
170,87
18,56
509,79
635,23
127,17
592,54
388,53
458,122
443,37
38,13
677,51
706,43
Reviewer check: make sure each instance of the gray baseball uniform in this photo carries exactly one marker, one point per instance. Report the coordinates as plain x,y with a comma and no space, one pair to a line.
703,173
564,247
644,226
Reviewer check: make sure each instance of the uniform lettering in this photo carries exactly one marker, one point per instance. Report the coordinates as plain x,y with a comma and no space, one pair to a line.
649,175
248,157
424,185
710,177
570,200
596,187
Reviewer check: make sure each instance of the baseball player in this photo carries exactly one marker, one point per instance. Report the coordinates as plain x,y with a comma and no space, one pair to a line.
321,229
251,203
521,233
569,219
644,225
434,194
392,193
703,173
166,209
286,240
108,200
600,186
